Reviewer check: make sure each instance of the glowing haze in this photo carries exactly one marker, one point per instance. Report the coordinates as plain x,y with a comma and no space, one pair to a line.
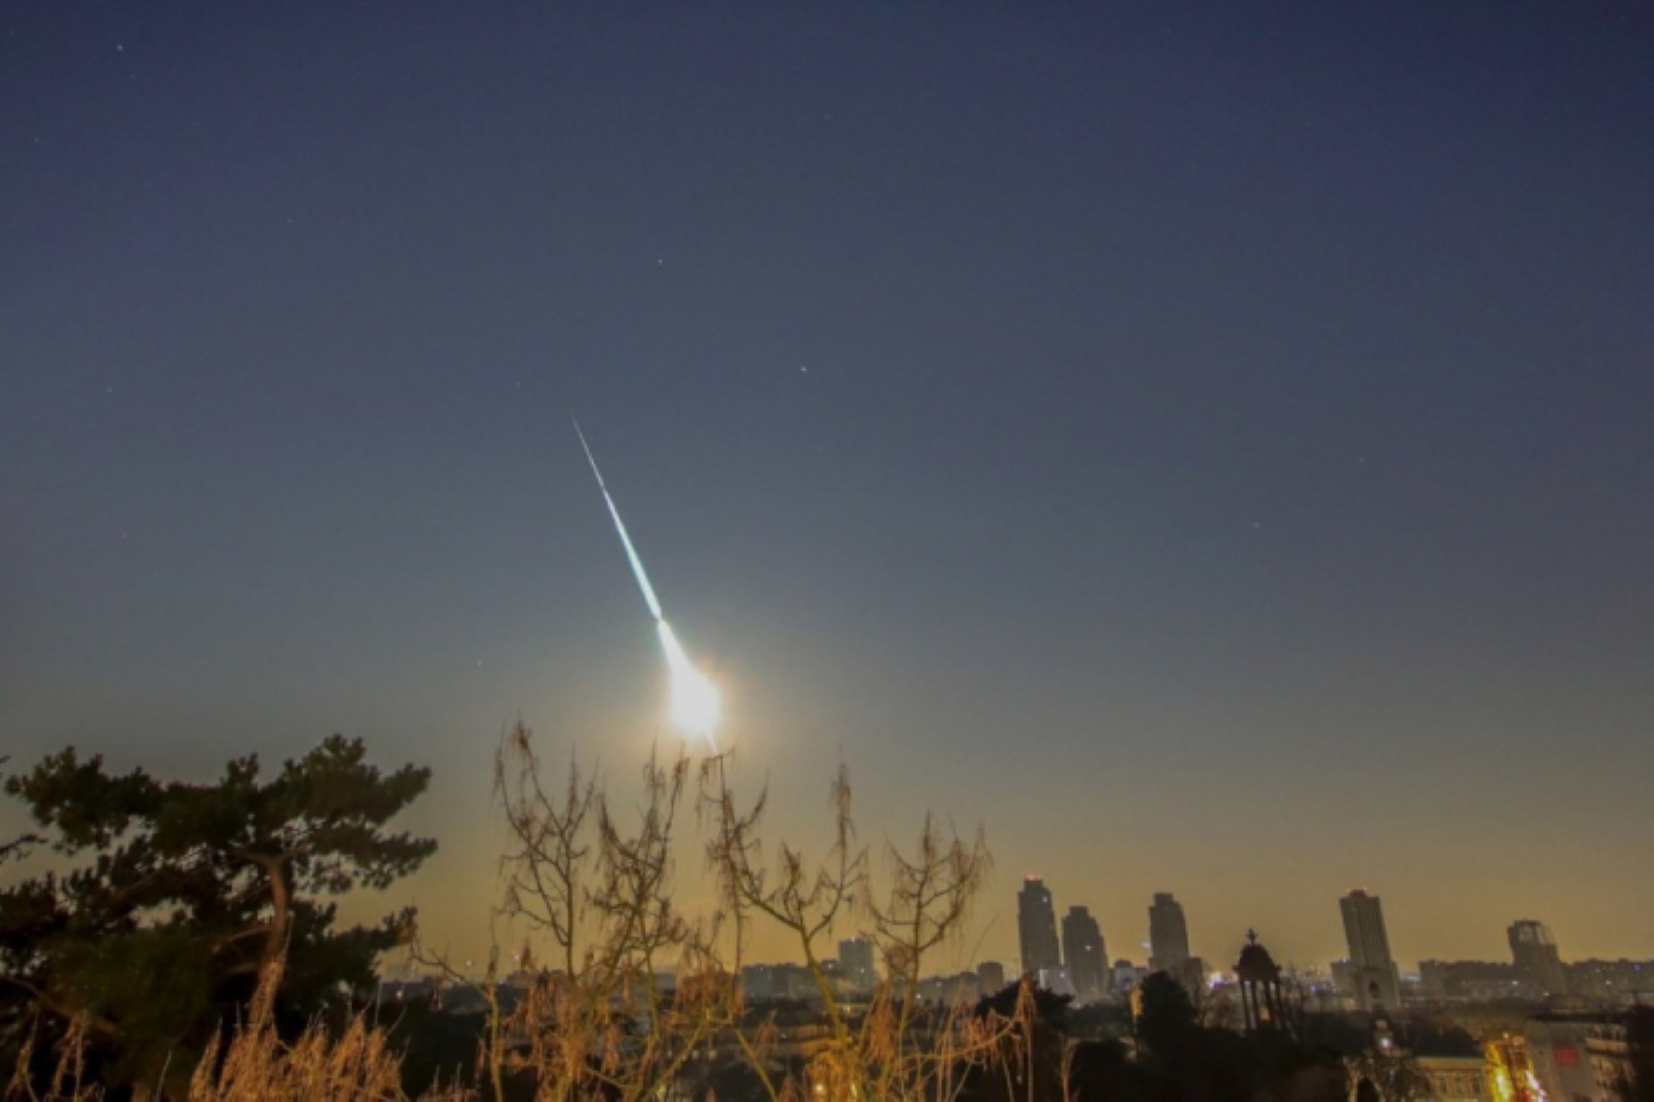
695,705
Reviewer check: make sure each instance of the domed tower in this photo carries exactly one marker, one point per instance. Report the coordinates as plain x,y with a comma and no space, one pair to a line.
1262,1001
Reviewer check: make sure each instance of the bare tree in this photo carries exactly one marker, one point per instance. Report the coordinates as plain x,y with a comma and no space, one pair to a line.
897,1049
598,1022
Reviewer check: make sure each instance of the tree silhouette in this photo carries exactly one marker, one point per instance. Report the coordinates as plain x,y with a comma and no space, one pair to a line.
179,896
1166,1020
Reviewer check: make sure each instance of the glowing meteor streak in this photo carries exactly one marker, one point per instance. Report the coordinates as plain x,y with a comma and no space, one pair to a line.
695,704
620,526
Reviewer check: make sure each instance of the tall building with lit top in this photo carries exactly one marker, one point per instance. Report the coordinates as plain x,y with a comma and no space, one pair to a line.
1533,951
1372,975
1083,953
1037,927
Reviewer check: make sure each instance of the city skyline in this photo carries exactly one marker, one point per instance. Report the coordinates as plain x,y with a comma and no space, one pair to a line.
1369,973
1208,450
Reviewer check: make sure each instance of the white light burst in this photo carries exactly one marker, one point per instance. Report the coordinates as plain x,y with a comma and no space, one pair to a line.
696,706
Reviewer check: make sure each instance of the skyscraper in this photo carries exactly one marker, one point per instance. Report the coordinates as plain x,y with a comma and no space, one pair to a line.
1083,952
1168,935
1037,925
1364,929
855,962
1373,975
1533,950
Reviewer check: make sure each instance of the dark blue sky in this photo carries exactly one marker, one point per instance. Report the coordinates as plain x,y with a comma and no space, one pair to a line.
1210,445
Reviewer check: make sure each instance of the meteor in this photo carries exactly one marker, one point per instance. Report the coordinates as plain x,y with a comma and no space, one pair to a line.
695,703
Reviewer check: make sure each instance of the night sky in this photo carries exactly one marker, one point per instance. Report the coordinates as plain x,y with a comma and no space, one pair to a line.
1210,446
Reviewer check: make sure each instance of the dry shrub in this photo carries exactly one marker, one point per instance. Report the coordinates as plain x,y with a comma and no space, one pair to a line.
595,892
67,1075
357,1066
899,1049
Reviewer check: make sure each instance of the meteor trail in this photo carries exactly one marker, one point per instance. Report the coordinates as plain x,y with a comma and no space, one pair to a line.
620,526
695,702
